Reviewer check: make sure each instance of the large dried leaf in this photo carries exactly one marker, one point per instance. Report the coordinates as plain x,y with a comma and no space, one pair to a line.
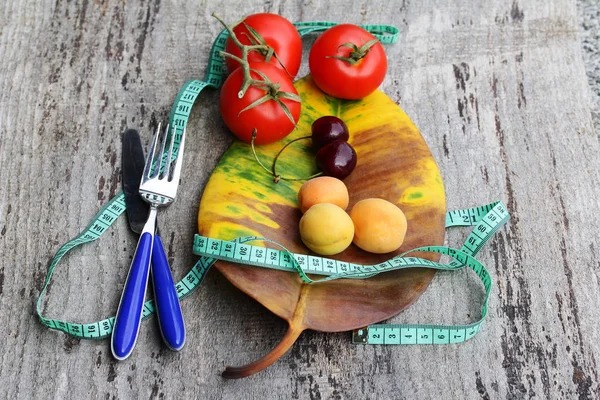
394,163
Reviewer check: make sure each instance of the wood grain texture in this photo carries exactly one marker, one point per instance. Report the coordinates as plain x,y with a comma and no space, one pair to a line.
589,21
499,91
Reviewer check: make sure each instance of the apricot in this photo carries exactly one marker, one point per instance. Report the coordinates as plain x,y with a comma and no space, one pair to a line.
379,226
326,229
323,189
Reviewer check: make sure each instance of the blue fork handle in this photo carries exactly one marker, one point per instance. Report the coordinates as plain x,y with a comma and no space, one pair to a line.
170,318
129,314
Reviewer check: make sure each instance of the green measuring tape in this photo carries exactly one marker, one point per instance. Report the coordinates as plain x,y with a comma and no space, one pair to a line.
488,219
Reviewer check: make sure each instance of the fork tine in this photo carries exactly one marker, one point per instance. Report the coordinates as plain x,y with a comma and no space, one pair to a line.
160,156
170,155
150,156
179,159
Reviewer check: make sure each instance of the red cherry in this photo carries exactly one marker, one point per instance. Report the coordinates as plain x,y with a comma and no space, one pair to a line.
337,159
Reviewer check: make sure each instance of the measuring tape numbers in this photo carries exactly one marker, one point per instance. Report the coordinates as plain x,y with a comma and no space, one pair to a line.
486,220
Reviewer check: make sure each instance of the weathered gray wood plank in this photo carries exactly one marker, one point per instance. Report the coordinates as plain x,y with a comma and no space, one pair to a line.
589,21
499,92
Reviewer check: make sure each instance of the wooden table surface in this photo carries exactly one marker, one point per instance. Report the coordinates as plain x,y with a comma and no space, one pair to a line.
500,93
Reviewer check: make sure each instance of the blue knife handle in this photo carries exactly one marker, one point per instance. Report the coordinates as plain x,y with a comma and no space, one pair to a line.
170,318
129,314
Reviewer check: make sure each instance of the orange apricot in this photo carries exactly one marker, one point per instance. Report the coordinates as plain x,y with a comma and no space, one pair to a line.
326,229
323,189
379,226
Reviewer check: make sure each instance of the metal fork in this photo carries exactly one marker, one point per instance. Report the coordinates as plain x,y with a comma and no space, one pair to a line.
158,188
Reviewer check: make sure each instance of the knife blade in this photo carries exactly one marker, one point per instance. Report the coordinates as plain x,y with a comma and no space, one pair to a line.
133,167
170,318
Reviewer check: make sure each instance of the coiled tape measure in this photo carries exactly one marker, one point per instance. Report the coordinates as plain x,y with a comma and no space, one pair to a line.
486,221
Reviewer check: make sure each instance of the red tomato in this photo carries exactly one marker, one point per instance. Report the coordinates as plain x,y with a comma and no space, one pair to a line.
268,118
340,78
278,33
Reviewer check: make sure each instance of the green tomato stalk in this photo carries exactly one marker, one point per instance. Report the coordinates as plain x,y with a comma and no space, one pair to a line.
272,90
357,53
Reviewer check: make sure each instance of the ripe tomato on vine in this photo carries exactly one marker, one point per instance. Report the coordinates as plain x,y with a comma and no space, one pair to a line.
283,42
273,113
347,62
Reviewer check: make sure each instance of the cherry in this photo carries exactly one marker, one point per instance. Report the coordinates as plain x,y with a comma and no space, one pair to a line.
335,156
337,159
327,129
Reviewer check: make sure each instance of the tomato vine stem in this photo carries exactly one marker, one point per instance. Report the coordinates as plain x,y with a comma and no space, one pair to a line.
272,90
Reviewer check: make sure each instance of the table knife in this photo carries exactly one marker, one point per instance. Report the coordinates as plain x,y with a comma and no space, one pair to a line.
170,318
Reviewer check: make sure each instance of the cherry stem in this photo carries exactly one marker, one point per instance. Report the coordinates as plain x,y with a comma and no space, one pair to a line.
273,171
254,133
